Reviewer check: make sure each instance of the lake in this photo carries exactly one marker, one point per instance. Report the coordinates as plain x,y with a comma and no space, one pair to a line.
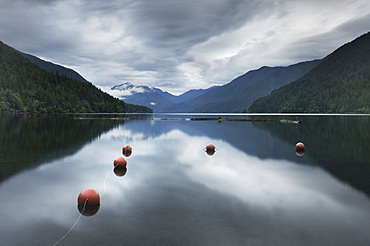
254,190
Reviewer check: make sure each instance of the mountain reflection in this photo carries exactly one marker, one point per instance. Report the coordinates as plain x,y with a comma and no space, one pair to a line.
253,190
339,144
26,142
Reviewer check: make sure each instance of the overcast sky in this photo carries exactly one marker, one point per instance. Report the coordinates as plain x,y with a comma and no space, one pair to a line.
179,45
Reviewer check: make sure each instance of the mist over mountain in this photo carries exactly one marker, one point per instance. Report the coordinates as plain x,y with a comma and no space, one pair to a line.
151,97
235,96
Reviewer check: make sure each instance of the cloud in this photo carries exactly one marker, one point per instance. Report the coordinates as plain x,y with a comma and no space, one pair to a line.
178,45
331,40
126,89
283,37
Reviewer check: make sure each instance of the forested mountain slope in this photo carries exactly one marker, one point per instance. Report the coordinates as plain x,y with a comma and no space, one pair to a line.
54,68
340,84
24,86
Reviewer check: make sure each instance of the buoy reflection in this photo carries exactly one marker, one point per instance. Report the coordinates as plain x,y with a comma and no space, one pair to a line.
127,150
88,210
299,152
120,171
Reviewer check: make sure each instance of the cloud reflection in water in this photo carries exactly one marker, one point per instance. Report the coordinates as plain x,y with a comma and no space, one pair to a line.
174,189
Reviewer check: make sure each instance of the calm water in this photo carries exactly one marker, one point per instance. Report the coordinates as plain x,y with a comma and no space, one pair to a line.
255,190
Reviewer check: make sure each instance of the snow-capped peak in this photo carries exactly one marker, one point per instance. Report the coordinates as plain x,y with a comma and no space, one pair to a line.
128,89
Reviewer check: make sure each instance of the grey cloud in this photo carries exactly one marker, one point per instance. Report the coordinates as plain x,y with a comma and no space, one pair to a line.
145,41
182,24
319,46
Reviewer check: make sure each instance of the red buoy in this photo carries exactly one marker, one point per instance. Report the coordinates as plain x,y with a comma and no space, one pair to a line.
120,161
210,149
300,146
90,196
127,150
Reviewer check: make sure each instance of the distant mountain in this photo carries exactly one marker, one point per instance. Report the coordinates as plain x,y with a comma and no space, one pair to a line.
25,86
152,97
235,96
340,84
240,93
189,95
54,68
142,95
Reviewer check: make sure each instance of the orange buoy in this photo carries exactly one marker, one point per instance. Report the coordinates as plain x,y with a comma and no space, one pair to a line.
300,146
90,196
210,149
127,150
120,161
120,171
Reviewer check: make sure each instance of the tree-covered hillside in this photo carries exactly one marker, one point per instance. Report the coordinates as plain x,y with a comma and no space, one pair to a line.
25,86
54,68
340,84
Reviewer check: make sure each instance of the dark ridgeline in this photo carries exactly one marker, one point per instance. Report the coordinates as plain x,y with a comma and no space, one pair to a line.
27,87
340,84
54,68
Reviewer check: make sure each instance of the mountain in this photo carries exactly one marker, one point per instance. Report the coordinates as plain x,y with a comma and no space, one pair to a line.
340,84
235,96
240,93
189,95
142,95
24,86
54,68
152,97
